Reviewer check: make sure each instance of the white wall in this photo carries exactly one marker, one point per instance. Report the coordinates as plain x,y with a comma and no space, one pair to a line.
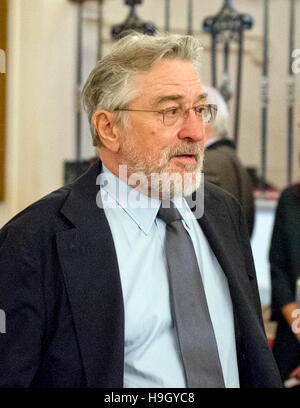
40,105
41,86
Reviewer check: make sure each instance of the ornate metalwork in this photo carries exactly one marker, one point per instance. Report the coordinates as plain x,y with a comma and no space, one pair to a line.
225,27
132,23
99,29
227,24
78,80
264,88
290,96
167,15
190,18
264,98
291,91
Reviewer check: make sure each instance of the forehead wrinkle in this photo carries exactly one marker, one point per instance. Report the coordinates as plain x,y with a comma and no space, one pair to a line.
166,98
155,81
178,80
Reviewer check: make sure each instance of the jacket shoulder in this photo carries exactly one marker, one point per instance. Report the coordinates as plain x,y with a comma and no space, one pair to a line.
212,191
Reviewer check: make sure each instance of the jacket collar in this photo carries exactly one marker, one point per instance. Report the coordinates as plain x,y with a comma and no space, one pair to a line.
90,269
82,205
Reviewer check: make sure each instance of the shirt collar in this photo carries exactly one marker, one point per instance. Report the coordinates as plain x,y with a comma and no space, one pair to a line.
210,142
140,208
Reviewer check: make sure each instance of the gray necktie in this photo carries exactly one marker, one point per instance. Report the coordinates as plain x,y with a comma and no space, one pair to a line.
195,332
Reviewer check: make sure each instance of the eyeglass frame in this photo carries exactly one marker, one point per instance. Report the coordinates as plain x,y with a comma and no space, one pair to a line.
213,108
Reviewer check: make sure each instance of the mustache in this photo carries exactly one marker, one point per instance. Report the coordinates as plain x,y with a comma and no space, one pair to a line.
194,149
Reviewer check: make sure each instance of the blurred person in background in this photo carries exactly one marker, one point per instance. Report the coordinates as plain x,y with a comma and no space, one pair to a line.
221,164
285,271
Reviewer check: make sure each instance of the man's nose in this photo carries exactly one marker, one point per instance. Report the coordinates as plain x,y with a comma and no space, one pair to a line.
192,127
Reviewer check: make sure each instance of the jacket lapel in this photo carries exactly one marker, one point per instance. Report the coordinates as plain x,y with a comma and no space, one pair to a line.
225,243
89,263
223,239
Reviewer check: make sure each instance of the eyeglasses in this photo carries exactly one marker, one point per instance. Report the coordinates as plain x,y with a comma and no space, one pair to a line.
204,113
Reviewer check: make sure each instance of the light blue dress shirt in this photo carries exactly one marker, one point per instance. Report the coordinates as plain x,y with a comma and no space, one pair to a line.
152,357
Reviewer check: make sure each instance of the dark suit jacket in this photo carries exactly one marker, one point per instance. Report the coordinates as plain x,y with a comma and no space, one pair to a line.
285,269
223,168
60,289
285,249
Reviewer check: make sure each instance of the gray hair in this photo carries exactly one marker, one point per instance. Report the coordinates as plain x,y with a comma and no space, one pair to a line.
221,122
109,85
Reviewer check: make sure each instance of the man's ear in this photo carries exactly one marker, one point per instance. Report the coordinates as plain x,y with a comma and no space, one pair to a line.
107,130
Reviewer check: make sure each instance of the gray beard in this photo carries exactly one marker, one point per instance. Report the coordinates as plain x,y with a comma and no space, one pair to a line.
156,180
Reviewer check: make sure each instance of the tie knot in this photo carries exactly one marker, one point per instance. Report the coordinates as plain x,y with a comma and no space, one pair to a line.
169,213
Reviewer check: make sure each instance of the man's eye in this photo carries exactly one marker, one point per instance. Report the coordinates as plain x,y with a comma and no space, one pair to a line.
170,112
199,109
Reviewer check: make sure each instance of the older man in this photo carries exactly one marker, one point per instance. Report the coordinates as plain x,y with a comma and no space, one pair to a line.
222,165
113,281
